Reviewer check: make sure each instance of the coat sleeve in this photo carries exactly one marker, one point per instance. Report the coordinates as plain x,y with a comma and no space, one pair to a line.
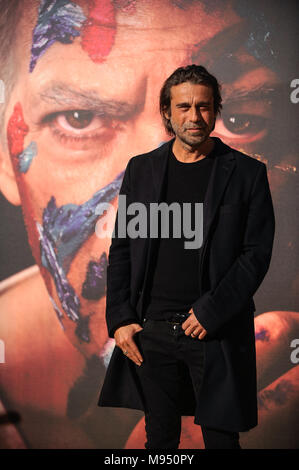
218,305
118,309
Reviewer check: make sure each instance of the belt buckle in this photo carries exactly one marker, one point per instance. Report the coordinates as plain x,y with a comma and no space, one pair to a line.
178,318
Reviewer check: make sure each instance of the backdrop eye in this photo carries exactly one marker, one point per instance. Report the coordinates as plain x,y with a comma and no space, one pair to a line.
79,122
242,128
80,129
243,123
79,119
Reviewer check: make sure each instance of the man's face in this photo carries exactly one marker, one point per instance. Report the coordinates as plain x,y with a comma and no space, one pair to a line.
82,119
192,114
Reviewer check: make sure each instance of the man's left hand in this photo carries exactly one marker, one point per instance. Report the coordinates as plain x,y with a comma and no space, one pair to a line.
192,327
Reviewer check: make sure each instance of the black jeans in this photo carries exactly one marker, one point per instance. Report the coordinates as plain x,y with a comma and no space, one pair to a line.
168,357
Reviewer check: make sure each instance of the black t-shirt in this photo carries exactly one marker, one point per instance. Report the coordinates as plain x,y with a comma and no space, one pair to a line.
174,284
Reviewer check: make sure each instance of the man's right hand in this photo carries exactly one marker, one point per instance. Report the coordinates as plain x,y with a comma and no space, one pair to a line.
124,340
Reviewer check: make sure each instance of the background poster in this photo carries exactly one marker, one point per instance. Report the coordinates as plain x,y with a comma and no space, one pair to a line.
79,96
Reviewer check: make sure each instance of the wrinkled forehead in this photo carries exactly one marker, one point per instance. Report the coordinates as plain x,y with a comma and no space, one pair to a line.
108,28
191,91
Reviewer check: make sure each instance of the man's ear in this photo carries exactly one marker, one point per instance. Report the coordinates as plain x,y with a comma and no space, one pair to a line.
8,184
166,113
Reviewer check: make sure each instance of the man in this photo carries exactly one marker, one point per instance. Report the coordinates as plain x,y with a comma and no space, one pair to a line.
86,112
212,341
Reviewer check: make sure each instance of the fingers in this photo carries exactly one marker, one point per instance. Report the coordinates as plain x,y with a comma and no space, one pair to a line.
202,334
194,332
128,346
190,324
133,352
192,327
197,332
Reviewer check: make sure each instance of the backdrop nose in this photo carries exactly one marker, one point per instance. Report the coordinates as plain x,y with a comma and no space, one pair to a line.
152,134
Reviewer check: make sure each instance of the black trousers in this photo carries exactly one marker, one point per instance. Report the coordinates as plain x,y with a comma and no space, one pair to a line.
169,359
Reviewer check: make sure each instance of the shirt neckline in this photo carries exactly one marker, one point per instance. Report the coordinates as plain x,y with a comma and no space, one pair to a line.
208,157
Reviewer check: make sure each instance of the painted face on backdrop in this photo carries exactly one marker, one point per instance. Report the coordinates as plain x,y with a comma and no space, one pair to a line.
86,100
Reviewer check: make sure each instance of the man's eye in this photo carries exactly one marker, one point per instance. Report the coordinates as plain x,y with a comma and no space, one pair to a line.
241,127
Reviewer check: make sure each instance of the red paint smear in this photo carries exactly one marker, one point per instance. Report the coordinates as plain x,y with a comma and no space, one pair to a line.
17,130
101,11
98,31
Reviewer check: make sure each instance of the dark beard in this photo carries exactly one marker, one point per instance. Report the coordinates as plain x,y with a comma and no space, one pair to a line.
191,142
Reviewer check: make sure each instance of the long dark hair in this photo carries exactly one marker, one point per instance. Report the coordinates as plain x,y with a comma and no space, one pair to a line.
196,74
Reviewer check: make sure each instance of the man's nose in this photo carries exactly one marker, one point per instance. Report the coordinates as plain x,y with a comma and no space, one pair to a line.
195,114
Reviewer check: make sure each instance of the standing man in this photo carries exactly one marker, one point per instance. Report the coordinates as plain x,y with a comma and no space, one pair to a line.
183,319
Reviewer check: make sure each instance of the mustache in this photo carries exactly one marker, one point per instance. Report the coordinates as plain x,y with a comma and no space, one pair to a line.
186,127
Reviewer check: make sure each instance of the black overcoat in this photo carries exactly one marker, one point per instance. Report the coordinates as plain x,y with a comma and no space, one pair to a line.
238,233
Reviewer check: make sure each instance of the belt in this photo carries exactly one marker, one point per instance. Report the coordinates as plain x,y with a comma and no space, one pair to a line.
178,318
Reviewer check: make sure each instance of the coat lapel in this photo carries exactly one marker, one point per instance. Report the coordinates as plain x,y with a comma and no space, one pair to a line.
223,167
159,165
159,168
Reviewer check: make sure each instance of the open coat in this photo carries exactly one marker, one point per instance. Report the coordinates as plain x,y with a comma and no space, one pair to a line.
238,233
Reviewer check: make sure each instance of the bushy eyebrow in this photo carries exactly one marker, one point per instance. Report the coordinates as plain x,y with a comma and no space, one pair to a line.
262,91
225,42
223,47
63,95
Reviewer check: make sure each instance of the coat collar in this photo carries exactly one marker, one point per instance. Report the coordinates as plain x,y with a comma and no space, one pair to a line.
224,164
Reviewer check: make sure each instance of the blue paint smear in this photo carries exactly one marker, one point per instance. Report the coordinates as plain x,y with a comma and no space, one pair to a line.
62,233
94,285
67,296
278,395
26,157
69,226
262,335
57,21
